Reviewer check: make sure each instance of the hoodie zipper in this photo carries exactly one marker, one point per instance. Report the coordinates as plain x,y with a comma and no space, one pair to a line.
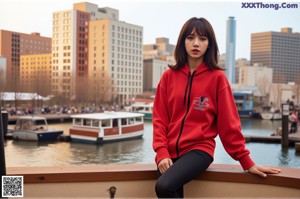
188,86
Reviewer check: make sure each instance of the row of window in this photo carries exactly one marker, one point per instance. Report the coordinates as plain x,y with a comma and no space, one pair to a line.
40,64
56,29
127,30
65,80
24,41
64,14
65,88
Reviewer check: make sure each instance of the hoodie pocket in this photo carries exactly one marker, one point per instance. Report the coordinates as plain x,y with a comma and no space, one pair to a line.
192,132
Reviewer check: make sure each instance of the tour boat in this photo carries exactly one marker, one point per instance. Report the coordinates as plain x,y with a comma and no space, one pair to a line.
143,108
34,128
97,128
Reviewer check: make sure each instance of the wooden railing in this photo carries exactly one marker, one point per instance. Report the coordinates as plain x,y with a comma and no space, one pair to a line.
288,179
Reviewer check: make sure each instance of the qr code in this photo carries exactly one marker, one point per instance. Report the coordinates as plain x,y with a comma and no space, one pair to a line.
12,186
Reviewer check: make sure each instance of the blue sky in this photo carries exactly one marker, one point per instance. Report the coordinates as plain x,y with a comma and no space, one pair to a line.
159,18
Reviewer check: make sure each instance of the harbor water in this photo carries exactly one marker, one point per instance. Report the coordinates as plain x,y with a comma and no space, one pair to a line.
139,151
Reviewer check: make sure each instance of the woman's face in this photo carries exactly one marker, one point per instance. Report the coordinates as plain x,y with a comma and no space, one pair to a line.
196,45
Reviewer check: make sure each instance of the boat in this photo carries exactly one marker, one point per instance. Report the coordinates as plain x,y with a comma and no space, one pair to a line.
138,181
97,128
34,128
271,115
266,115
144,108
244,103
277,115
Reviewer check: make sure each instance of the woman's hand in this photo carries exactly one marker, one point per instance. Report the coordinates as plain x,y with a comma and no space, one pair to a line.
164,164
262,171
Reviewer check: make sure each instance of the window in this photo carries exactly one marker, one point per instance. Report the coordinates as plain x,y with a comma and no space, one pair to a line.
106,123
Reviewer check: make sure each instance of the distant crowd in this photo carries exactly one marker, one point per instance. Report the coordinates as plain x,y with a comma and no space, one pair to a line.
61,109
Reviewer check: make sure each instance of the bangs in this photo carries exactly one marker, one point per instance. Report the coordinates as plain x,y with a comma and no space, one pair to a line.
198,27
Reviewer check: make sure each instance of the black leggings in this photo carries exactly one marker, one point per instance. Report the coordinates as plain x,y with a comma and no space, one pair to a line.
184,169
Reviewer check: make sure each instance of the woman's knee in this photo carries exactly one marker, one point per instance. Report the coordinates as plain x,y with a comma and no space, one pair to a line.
163,187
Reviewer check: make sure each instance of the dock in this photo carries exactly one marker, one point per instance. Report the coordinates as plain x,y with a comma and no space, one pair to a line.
293,138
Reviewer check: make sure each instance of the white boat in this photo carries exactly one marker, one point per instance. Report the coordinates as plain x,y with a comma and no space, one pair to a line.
271,115
97,128
34,128
277,115
266,115
143,108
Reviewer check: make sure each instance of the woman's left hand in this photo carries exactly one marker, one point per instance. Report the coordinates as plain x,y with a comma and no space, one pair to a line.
262,171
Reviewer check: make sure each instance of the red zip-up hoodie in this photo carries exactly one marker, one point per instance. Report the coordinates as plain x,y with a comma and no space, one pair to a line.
190,110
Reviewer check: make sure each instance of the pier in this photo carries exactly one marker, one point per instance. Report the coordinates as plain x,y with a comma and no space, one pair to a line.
293,138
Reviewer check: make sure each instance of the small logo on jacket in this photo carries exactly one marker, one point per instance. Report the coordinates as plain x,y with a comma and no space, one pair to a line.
201,103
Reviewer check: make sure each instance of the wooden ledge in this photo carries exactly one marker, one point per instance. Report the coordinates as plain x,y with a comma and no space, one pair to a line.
289,177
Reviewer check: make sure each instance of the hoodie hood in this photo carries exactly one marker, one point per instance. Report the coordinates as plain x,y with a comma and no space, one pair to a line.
200,69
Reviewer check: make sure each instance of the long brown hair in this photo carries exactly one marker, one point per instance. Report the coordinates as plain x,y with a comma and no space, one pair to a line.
203,28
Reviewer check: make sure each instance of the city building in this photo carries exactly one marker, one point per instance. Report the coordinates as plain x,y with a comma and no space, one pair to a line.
230,49
162,47
157,57
2,72
13,45
283,93
69,52
153,70
256,75
240,63
279,51
35,73
95,56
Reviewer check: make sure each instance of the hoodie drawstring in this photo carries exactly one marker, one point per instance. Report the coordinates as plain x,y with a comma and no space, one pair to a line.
186,87
189,82
189,85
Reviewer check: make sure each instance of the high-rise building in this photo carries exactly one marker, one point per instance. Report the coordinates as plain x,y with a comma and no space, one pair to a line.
230,49
69,52
116,60
157,57
35,73
14,44
280,51
95,56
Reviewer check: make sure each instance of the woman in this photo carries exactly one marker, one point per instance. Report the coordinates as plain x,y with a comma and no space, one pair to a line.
193,104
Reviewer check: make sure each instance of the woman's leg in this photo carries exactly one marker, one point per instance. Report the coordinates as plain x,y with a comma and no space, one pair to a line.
186,168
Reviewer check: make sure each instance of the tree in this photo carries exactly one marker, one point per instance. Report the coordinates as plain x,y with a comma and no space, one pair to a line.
100,88
263,85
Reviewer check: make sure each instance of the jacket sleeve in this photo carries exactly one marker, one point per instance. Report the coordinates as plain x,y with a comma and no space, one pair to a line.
160,121
229,128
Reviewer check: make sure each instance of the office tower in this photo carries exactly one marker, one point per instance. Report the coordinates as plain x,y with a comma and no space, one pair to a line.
230,49
116,64
69,52
35,73
280,51
95,56
14,44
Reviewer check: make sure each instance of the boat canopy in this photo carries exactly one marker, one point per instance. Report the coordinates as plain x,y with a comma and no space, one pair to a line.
108,115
